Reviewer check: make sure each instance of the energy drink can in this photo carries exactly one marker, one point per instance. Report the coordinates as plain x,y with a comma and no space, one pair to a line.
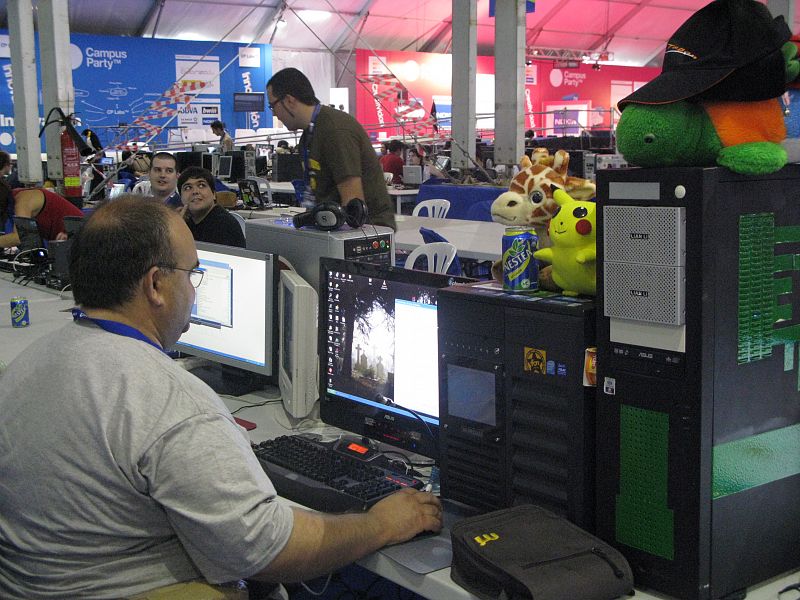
520,270
20,316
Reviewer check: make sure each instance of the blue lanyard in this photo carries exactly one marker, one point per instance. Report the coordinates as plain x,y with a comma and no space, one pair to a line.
307,144
114,327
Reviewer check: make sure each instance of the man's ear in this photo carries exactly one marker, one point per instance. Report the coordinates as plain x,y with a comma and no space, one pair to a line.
153,284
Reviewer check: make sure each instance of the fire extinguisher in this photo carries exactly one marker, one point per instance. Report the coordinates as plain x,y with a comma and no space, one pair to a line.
71,165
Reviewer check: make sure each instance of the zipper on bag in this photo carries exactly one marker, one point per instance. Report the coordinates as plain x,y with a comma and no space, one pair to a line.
596,551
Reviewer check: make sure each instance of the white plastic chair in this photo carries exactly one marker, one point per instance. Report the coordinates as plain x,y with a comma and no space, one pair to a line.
142,188
388,178
437,208
440,255
240,219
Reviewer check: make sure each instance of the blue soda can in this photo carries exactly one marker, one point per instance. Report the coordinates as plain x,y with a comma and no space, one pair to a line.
20,317
520,270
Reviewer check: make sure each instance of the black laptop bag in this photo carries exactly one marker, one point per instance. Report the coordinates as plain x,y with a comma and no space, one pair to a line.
527,552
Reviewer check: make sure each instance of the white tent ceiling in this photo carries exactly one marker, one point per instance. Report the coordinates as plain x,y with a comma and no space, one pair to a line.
634,31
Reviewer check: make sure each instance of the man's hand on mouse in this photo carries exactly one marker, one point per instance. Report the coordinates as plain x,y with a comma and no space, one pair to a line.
406,513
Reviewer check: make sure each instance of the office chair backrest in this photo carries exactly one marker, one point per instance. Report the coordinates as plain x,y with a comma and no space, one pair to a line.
241,220
436,208
439,255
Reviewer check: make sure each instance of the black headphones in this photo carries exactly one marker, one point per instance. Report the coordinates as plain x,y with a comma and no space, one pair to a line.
329,216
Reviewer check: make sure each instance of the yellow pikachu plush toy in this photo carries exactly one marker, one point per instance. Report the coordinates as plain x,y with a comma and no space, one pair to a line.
573,254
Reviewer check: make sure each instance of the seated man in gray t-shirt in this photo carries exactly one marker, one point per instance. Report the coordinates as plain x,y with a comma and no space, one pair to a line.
123,473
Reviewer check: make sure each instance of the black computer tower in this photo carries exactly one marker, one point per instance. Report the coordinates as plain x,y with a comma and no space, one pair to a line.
516,421
286,167
698,420
237,165
261,166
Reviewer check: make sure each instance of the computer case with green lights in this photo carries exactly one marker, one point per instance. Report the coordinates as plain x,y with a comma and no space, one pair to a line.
698,398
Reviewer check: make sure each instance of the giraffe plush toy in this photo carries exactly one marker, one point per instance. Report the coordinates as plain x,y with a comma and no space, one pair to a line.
529,199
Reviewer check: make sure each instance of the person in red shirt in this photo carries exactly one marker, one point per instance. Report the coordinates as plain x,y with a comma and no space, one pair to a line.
47,207
392,162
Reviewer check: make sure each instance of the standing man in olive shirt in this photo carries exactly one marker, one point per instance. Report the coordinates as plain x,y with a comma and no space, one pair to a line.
340,163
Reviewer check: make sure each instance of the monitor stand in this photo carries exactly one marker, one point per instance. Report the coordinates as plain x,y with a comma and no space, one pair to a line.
230,381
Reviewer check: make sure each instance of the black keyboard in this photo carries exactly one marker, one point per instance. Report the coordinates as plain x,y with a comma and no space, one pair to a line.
318,475
10,265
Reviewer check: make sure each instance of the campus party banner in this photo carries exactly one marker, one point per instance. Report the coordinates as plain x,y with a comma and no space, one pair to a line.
117,79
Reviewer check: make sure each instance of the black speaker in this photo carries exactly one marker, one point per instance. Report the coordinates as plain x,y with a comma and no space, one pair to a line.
329,216
237,165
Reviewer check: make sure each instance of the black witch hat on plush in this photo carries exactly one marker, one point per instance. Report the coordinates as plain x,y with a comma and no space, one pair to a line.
727,50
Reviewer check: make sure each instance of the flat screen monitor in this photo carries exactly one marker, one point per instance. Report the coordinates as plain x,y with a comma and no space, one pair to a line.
442,163
412,175
378,352
188,159
224,167
72,224
28,232
234,318
298,365
248,101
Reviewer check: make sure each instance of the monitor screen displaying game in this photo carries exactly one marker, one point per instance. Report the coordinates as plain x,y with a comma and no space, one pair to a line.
378,351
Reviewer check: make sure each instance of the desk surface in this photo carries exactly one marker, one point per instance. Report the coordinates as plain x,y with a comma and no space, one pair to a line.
402,195
479,240
44,307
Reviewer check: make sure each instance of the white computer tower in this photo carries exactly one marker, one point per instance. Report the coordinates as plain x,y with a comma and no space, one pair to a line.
305,246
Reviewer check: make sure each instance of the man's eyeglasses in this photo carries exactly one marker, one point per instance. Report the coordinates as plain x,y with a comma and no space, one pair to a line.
273,104
195,275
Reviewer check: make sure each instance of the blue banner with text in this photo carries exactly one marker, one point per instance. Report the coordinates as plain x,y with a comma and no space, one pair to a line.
128,89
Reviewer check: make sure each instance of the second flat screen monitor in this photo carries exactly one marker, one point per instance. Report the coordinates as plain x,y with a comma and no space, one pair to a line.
234,318
225,167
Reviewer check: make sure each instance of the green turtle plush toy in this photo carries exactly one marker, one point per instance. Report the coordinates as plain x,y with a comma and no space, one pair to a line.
717,100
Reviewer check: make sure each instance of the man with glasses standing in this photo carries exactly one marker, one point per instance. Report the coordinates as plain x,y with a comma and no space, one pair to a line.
339,161
127,477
